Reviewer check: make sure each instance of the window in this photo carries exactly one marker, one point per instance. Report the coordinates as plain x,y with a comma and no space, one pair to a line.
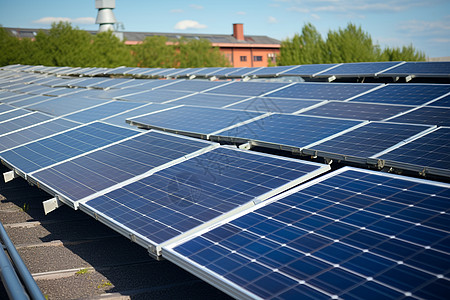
243,58
257,58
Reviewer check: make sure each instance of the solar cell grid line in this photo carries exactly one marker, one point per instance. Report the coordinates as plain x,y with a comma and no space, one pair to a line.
432,69
22,121
241,88
101,111
407,94
63,105
308,70
120,118
146,84
193,85
24,102
102,168
443,101
428,154
193,121
15,113
155,96
209,100
32,133
195,193
439,116
285,132
323,91
276,105
360,69
345,235
58,146
364,142
6,108
357,110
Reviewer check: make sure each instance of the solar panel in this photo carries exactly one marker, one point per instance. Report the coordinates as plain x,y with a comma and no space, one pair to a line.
22,121
271,71
361,69
308,70
432,69
365,141
170,203
31,100
45,152
59,106
357,110
76,178
351,234
323,91
206,71
429,154
240,88
102,111
5,116
242,72
406,94
5,108
209,100
289,132
192,85
16,138
443,101
195,120
426,115
277,105
155,96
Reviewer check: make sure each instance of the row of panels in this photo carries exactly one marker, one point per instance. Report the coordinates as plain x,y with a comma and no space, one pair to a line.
376,69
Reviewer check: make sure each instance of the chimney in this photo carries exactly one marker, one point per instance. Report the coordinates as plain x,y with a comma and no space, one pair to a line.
238,31
105,16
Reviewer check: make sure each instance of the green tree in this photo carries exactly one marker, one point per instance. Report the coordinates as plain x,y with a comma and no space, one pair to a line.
9,47
199,53
109,51
154,53
406,53
305,48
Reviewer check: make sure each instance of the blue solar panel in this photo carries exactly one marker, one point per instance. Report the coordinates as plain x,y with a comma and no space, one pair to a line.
192,85
101,169
13,114
286,130
241,72
31,100
308,70
154,96
352,234
102,111
323,91
426,115
64,105
209,100
269,104
407,94
444,102
14,139
206,71
421,69
5,108
358,69
357,110
23,121
43,153
198,120
240,88
369,139
425,154
13,97
179,198
271,71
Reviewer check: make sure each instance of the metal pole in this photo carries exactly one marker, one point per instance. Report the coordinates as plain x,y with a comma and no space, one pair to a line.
10,280
22,270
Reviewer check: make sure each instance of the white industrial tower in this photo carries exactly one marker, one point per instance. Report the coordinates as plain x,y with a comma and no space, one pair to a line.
105,16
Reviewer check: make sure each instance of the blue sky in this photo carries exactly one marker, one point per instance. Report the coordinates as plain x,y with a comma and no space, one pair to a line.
394,23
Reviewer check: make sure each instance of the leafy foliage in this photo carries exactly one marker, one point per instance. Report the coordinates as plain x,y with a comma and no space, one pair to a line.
350,44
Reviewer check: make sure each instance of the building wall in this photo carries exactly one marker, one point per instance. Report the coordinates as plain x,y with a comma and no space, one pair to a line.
250,57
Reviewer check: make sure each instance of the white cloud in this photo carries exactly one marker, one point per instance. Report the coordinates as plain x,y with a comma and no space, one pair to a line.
187,24
195,6
272,20
50,20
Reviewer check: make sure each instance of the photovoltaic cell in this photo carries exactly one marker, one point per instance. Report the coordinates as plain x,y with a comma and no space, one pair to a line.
421,68
322,91
346,235
286,130
14,139
271,71
406,94
426,115
192,85
13,114
370,139
5,108
179,198
102,111
31,100
209,100
357,110
93,172
240,88
358,69
431,151
154,96
308,70
64,105
277,105
199,120
45,152
21,122
444,102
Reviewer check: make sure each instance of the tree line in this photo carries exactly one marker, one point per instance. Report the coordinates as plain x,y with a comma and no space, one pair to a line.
64,45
